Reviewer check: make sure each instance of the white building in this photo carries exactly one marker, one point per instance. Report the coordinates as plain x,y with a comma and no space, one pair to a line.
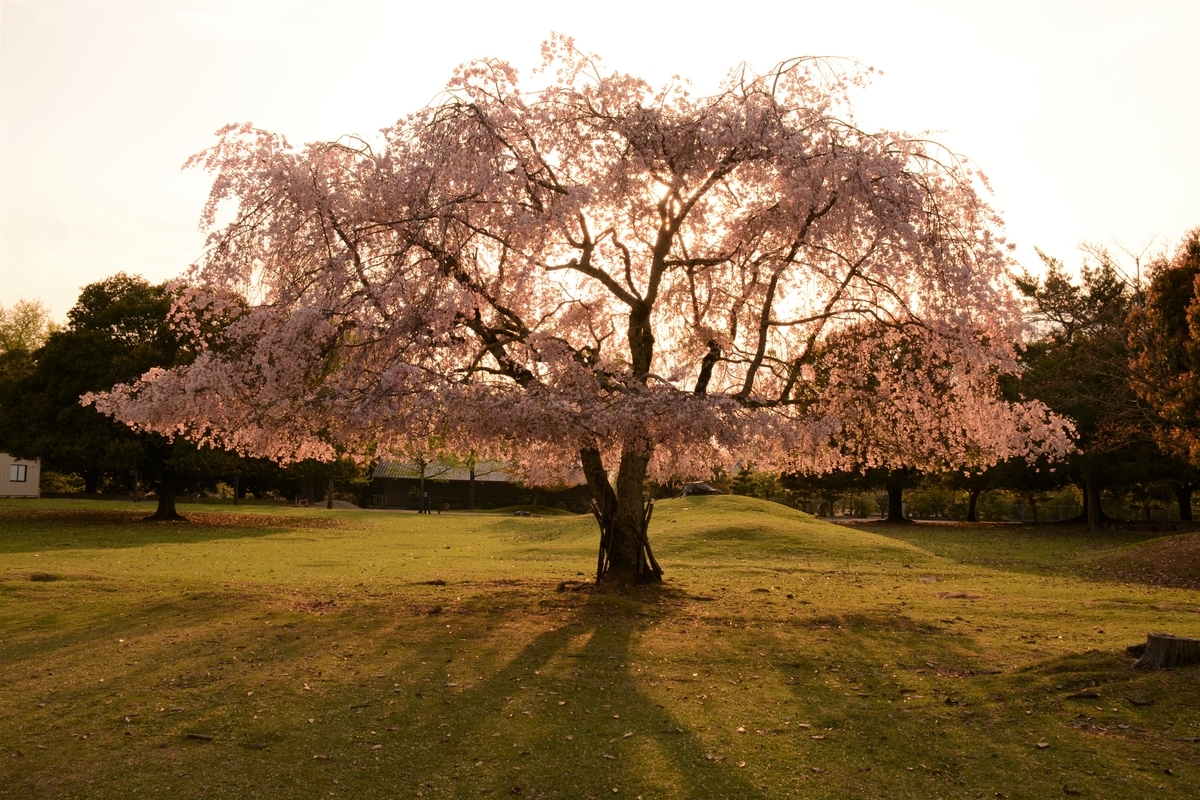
20,477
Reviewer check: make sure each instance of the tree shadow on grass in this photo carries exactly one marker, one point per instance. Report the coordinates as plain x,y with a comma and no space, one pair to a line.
398,703
417,672
904,708
565,717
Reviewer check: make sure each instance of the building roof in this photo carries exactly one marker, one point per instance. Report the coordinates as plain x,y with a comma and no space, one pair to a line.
439,470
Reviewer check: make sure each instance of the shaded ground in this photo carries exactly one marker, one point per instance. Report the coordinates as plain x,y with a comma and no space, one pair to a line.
426,656
1166,561
1153,554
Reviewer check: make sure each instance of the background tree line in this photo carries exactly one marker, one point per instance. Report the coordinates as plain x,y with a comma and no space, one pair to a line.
118,329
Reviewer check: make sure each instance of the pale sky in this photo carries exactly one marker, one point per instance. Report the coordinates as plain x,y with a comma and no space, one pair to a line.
1084,115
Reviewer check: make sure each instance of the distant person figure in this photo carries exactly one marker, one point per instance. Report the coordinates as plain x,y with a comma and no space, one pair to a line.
425,503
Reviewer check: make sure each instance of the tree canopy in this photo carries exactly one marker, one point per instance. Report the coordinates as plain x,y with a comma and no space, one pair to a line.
24,326
116,331
597,273
1165,341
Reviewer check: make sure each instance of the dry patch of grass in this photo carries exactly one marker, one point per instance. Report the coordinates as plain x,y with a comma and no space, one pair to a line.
1166,561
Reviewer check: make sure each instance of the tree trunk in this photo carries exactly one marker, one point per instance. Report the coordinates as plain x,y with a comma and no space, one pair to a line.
1183,495
471,490
895,490
972,505
91,481
329,495
1082,516
624,548
237,480
604,501
1091,504
1165,650
625,557
166,499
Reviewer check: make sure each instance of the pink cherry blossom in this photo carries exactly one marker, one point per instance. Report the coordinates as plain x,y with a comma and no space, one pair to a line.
593,276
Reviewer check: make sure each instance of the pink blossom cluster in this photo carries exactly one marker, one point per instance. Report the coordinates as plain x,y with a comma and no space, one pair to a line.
593,263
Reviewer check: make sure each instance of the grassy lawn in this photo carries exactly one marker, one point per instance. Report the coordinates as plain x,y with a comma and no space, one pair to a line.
272,652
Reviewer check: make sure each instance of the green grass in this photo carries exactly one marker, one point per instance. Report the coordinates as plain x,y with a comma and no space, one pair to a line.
276,652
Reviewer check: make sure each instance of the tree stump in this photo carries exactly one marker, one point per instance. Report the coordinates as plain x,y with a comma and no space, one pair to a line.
1165,650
